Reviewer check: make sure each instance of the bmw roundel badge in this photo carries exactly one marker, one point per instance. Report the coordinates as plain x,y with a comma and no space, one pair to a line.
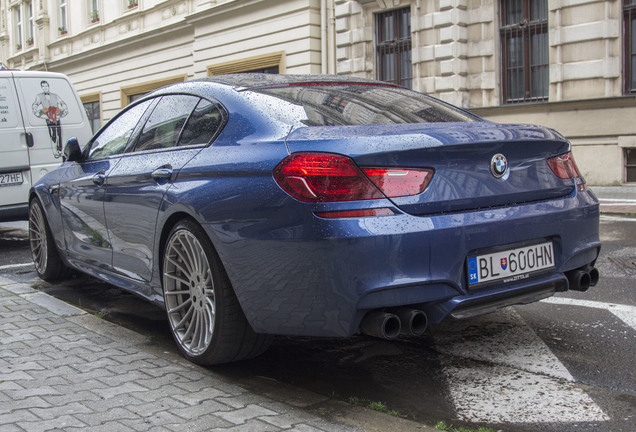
498,165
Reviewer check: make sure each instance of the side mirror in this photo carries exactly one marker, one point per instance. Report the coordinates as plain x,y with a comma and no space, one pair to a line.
72,151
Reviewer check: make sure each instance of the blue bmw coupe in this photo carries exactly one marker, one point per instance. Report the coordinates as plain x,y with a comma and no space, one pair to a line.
257,205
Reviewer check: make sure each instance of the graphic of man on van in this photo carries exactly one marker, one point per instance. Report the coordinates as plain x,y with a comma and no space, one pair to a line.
52,108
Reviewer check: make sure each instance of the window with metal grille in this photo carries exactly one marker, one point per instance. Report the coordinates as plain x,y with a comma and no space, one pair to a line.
524,50
629,38
393,47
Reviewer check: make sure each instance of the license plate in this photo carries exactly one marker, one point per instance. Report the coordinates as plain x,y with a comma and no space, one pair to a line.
10,179
510,265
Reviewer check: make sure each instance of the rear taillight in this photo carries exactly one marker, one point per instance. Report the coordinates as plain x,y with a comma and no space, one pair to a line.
325,177
564,167
320,177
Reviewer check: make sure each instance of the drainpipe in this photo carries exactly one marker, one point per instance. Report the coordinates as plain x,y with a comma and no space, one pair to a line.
331,37
324,26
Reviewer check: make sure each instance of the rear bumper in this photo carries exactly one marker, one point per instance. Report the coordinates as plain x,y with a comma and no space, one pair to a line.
322,276
467,306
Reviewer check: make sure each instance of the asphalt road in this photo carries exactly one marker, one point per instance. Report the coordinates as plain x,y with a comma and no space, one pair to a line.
564,364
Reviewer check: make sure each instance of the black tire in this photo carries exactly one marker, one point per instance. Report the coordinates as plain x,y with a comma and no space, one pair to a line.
46,258
205,317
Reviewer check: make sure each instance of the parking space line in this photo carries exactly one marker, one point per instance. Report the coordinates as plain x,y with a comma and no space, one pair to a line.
499,370
15,266
610,200
605,217
625,313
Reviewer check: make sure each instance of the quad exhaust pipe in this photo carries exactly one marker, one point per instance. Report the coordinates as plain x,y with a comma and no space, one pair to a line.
583,278
414,322
405,321
390,325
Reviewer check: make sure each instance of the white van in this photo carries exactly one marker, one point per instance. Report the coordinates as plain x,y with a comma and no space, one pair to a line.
39,111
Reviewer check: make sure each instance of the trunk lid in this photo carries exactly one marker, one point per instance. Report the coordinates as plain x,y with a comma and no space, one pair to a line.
461,155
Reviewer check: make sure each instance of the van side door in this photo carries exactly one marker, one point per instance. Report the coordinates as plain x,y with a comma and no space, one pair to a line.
53,113
15,180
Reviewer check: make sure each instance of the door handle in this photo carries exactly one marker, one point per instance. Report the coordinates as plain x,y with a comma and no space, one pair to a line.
162,173
29,139
99,178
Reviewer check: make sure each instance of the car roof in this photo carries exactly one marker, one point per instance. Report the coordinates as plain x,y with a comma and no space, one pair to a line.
247,81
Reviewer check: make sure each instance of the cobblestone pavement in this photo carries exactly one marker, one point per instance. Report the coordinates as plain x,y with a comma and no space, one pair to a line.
64,369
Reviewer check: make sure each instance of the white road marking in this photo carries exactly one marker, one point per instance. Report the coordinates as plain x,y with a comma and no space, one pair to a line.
15,266
605,217
502,338
610,200
483,393
499,370
625,313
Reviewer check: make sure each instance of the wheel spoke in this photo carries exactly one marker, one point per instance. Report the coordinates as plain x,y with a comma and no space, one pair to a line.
186,292
197,339
178,279
182,306
185,318
209,300
209,316
185,256
206,333
177,265
194,325
199,261
195,253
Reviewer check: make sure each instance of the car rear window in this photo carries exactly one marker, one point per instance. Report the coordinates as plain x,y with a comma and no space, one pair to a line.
329,104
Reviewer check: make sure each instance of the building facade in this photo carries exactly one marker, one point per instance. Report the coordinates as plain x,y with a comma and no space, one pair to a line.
566,64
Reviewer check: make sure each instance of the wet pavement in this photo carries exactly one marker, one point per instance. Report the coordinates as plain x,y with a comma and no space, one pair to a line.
63,368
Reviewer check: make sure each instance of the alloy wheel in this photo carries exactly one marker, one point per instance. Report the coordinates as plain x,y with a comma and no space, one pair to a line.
189,292
38,238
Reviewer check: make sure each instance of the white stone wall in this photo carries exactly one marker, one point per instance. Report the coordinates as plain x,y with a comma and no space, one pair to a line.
160,40
232,34
585,49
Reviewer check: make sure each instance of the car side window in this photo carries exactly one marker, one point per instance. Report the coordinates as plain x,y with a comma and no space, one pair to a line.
203,124
163,128
113,140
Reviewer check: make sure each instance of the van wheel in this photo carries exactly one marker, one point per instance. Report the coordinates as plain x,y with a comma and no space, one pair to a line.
46,257
205,317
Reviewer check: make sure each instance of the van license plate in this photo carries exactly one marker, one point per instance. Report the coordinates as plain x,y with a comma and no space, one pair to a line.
510,265
10,179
